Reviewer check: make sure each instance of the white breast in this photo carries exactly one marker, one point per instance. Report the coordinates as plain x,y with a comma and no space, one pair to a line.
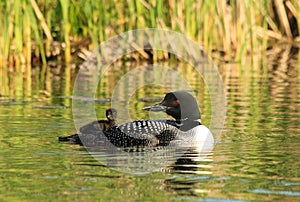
199,140
203,140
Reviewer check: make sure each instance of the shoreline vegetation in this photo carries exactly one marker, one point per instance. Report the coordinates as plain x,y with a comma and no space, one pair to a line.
38,31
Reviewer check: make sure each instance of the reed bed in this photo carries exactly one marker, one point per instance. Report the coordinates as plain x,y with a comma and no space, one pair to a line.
42,30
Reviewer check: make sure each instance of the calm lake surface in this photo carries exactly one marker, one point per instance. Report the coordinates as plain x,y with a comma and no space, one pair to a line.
256,157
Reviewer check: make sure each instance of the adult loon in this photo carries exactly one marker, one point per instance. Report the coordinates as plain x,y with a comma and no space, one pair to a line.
182,106
91,130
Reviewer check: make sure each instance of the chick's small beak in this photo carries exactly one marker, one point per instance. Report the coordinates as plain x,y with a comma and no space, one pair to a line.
156,108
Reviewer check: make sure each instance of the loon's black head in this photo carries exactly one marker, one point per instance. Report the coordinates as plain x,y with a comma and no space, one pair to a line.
181,105
111,114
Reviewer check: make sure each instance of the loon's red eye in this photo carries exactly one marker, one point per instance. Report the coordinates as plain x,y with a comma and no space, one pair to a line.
176,102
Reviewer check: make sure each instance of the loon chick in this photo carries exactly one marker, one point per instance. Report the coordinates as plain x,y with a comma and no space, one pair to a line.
91,129
181,105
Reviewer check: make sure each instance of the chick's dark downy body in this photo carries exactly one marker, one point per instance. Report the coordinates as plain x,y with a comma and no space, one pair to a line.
90,131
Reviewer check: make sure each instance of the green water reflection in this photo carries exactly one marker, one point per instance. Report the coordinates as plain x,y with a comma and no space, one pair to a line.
256,158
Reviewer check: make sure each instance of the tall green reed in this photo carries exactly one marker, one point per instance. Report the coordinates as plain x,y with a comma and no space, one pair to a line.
66,27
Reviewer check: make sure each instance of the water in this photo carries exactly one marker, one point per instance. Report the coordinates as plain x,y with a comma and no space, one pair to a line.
255,158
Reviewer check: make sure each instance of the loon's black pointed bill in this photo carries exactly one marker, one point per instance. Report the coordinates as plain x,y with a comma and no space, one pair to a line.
156,108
